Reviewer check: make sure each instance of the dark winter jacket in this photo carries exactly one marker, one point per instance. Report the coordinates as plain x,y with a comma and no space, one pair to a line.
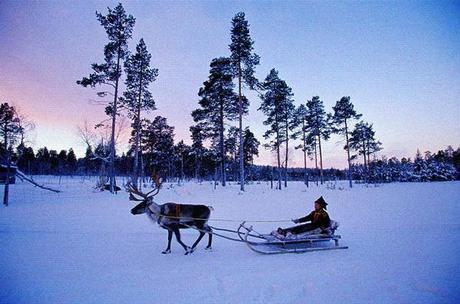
319,219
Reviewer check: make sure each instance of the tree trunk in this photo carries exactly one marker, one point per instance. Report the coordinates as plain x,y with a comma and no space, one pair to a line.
364,155
348,155
198,169
142,173
221,143
304,153
112,136
368,154
235,163
365,163
320,160
240,110
368,160
8,166
182,168
279,166
278,143
138,131
215,178
286,156
136,151
316,164
271,180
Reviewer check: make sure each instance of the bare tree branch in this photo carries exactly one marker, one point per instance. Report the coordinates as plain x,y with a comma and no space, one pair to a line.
22,176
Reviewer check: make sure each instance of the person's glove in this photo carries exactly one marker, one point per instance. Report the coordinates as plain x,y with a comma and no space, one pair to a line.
295,221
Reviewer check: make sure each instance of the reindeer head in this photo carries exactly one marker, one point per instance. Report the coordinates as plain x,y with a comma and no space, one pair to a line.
145,199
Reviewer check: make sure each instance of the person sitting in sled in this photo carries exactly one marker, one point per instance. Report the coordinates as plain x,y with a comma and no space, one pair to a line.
318,217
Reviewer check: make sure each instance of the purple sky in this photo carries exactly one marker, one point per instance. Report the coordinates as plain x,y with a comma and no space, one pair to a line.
399,62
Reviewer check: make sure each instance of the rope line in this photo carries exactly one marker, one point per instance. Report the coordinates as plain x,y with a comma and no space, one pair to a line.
224,220
236,232
260,236
213,233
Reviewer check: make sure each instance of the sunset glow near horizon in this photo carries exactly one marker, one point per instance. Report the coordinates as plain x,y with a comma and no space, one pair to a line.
399,62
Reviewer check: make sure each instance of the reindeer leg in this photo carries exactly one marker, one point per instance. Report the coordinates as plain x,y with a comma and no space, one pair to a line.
177,233
209,230
168,249
197,240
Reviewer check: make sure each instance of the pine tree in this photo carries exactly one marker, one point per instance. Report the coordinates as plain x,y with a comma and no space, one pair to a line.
358,140
243,62
251,147
344,112
144,125
180,152
158,141
363,141
118,26
277,106
62,162
231,142
102,151
197,149
10,130
288,116
71,161
231,146
310,145
137,97
26,159
319,126
218,104
88,161
54,162
43,158
300,128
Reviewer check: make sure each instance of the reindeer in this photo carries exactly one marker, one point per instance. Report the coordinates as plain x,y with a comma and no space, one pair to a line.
172,216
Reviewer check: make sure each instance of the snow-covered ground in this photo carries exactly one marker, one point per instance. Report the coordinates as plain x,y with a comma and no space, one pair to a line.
81,246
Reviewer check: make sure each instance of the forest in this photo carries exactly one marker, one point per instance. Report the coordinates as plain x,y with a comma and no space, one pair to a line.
222,149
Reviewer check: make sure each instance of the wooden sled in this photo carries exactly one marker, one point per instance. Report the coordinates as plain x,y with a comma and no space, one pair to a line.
269,244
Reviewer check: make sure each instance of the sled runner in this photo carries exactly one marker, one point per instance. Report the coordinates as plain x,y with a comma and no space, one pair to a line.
275,243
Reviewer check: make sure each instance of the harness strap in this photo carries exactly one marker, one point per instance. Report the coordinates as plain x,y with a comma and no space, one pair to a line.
177,210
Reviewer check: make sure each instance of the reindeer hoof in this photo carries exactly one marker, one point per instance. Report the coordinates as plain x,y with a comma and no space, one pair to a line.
189,250
167,251
208,248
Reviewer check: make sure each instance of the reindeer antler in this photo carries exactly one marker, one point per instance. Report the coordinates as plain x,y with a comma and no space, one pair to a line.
157,181
134,191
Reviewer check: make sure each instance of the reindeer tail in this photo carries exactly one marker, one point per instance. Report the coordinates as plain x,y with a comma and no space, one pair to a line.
211,208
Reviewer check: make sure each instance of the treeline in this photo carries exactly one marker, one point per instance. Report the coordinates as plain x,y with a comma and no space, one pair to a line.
184,164
441,166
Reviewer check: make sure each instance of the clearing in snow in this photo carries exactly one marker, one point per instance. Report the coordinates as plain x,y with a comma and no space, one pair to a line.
82,246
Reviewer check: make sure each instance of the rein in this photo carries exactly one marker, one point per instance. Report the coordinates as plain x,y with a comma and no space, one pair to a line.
159,215
177,217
